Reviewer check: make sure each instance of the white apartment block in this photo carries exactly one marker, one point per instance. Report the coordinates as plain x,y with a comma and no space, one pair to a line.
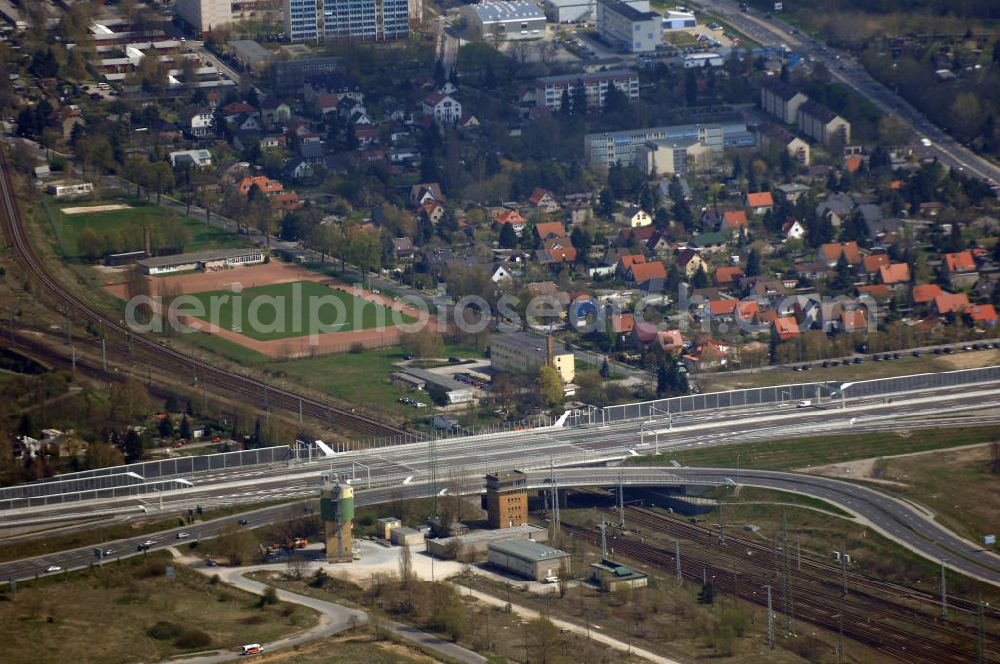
629,25
203,15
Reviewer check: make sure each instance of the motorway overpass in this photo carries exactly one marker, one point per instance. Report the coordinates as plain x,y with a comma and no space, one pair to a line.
900,521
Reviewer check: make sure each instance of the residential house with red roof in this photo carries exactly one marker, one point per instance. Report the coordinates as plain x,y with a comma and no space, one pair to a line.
925,293
733,221
871,264
265,184
728,276
950,303
647,276
512,217
983,315
960,267
556,250
830,252
895,275
760,202
549,229
786,327
542,199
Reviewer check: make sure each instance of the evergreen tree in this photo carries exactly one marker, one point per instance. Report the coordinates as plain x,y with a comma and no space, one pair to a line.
166,427
580,237
841,281
132,446
579,103
565,104
707,594
508,238
690,88
753,263
440,76
185,430
683,214
700,279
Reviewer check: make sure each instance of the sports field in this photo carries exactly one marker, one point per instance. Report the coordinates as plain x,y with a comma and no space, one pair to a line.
292,309
124,229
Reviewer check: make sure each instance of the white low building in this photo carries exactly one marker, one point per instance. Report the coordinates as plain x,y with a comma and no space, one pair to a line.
193,157
67,189
505,21
678,20
211,259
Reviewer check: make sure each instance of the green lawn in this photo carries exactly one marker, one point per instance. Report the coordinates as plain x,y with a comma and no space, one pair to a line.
281,311
348,376
822,450
129,224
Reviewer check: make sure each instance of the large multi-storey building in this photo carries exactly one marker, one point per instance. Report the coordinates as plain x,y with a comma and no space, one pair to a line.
369,20
604,150
821,124
629,25
203,15
549,89
523,352
781,100
304,20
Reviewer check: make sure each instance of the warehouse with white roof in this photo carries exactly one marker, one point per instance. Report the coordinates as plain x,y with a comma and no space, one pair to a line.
505,21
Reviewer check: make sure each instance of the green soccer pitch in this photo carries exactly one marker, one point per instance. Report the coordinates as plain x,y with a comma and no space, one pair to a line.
283,311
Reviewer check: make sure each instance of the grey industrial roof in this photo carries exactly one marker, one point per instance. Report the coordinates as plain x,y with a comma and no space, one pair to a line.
573,78
500,11
524,530
527,342
197,256
527,550
446,382
251,50
406,530
779,87
628,11
817,110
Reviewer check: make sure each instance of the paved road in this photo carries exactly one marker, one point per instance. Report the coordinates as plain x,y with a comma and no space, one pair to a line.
334,619
773,32
473,457
900,521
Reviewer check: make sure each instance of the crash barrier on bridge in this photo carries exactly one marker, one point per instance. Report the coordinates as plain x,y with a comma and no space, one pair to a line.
781,394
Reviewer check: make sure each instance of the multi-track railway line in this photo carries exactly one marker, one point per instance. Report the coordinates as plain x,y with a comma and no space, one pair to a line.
898,623
159,359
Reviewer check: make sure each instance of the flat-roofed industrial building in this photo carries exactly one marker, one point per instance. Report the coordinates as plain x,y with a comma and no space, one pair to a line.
528,559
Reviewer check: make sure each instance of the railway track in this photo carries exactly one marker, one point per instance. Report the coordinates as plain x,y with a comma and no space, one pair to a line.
895,631
829,574
165,359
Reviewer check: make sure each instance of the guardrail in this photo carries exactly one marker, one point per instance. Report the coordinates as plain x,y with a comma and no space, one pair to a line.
759,396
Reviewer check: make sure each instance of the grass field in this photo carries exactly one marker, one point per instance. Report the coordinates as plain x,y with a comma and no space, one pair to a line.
956,484
106,615
131,222
281,311
347,375
822,450
927,363
350,650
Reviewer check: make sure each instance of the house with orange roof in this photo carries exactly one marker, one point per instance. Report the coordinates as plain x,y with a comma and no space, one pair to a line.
830,252
725,308
727,276
556,250
432,210
786,327
760,202
265,184
984,315
853,163
709,354
549,229
622,324
853,320
950,303
895,275
878,292
925,293
647,276
287,200
872,264
646,333
961,268
512,217
542,199
626,262
733,221
747,310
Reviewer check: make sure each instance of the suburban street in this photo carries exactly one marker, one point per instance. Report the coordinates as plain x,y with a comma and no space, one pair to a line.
772,32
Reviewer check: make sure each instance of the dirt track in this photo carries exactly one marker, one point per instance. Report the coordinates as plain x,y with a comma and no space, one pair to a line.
277,273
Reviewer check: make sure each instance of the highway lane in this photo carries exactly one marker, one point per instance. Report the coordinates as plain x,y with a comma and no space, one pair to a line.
890,516
772,32
534,449
477,455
